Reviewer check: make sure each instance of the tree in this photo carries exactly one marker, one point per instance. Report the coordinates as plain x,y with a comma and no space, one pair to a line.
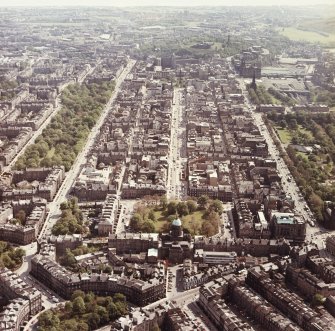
68,306
182,209
70,325
21,216
216,206
135,222
68,260
194,226
172,208
48,320
64,205
148,227
203,201
82,326
293,125
283,124
76,294
163,202
207,229
93,321
119,297
79,306
89,297
152,215
103,314
318,300
191,205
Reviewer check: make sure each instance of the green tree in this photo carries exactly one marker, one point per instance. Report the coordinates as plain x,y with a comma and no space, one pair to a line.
152,215
69,307
93,321
48,320
216,206
293,125
163,202
182,209
203,201
68,260
76,294
64,205
207,229
148,227
21,216
79,306
191,205
119,297
172,208
103,314
135,222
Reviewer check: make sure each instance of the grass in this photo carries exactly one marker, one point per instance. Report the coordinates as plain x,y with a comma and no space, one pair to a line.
307,132
190,222
303,155
193,222
284,135
161,221
310,36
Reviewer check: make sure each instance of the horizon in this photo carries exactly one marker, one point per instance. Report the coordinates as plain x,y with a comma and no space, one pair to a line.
164,3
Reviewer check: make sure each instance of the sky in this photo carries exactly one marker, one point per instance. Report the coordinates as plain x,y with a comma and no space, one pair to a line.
6,3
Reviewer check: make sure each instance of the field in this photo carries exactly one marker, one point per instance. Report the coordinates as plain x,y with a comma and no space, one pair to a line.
191,222
327,39
284,135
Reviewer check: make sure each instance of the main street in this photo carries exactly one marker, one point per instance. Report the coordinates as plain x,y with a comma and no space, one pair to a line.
54,211
174,170
48,297
289,185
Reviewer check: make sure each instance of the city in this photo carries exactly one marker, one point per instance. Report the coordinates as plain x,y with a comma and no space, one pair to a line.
167,168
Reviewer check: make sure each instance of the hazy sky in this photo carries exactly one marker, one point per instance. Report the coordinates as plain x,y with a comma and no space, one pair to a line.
5,3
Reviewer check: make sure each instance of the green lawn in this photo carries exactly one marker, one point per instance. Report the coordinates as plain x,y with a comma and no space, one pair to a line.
296,34
191,222
284,135
160,221
306,132
303,155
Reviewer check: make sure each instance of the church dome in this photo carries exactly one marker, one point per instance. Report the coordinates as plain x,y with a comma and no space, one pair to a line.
176,222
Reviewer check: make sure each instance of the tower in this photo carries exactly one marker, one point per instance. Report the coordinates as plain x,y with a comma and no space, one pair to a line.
176,229
253,84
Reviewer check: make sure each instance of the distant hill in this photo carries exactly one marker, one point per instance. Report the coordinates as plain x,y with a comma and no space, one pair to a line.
326,25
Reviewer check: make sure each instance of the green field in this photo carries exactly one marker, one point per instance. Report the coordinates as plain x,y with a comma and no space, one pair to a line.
314,37
191,222
284,135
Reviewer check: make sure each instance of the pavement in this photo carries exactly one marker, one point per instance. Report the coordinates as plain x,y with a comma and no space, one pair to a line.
174,190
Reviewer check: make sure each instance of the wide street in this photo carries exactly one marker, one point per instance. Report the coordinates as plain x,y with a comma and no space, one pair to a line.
175,162
54,211
313,230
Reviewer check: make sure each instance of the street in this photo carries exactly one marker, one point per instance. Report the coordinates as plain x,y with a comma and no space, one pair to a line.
54,211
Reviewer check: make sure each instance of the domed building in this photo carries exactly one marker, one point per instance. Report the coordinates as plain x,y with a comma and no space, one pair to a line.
176,229
176,246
